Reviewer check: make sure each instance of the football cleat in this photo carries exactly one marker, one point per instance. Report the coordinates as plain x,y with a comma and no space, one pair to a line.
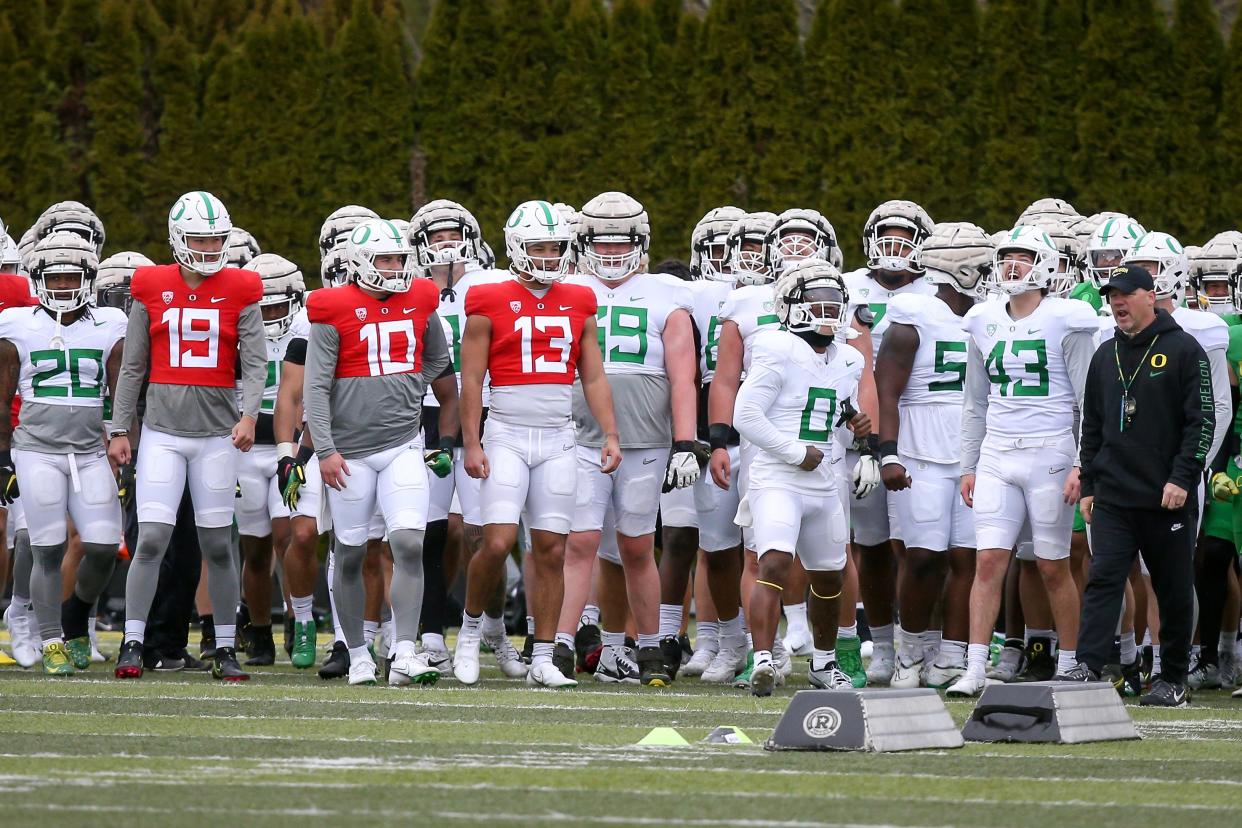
412,668
702,658
798,642
1039,665
1165,694
226,667
56,661
586,639
129,661
440,659
670,651
1079,672
192,663
830,677
1236,694
79,650
336,664
742,680
7,660
1007,664
687,649
466,657
303,640
906,676
508,659
850,659
152,660
941,677
651,669
763,679
26,652
880,670
362,673
1228,668
616,667
729,661
548,675
563,660
528,648
93,634
967,686
1204,676
781,659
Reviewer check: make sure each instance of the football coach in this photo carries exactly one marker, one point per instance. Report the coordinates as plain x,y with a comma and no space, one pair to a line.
1147,425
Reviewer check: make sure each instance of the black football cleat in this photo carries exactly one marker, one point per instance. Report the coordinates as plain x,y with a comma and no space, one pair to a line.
129,661
336,665
260,647
226,667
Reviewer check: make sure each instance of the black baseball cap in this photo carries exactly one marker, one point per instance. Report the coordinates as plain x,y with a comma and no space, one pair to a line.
1127,279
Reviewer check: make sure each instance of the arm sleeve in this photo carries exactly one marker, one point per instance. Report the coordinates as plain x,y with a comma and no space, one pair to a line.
252,351
321,355
295,351
1078,347
135,360
974,408
1222,398
1198,422
757,393
1091,431
436,357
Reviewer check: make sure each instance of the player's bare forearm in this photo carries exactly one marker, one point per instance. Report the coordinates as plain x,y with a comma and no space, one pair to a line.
475,343
8,387
445,390
896,360
595,387
868,400
728,376
288,414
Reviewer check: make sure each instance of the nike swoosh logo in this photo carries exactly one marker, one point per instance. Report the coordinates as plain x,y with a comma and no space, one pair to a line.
408,310
97,324
648,460
566,307
1056,471
1155,374
635,298
1032,331
218,300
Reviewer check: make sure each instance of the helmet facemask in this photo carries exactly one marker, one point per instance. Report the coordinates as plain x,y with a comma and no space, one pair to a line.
818,310
278,310
1018,270
748,260
62,299
612,266
540,267
797,244
189,256
711,258
1215,293
894,245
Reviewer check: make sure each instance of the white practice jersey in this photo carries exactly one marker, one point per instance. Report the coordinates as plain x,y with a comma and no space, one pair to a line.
275,360
299,328
631,319
930,408
452,312
709,301
753,309
1030,394
867,292
790,400
63,388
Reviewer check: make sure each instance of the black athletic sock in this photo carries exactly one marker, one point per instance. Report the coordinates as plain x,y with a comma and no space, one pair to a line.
75,617
435,590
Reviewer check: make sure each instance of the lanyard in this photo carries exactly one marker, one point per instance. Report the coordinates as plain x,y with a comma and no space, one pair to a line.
1128,406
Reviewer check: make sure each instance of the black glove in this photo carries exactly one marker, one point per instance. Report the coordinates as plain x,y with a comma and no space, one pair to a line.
291,476
125,484
8,479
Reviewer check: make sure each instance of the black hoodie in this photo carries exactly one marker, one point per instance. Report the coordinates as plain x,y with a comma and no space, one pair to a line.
1170,433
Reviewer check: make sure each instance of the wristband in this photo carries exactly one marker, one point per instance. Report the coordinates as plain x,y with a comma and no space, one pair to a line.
888,447
683,445
446,444
872,445
284,450
891,459
718,435
305,453
118,432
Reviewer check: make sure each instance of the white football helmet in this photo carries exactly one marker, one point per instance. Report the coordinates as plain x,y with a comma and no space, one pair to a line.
283,287
487,258
241,248
64,252
1011,275
612,217
532,222
799,314
1108,244
958,254
1213,263
800,234
113,278
334,268
198,215
336,228
1163,257
10,258
75,217
379,237
746,249
888,251
1070,252
444,215
708,250
1048,209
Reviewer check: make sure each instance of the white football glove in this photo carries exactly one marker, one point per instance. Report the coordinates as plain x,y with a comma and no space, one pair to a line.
683,470
866,476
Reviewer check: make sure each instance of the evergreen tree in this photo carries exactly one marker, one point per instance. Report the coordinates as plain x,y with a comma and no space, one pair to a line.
1013,95
675,207
629,129
1228,172
1063,28
117,161
76,29
717,171
178,164
1198,61
779,175
435,104
959,120
577,172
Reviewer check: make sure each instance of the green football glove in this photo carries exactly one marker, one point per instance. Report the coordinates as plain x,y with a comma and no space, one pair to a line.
440,460
1224,488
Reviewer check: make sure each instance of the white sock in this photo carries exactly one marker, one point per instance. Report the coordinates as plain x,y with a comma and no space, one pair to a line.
303,609
848,632
931,645
54,640
952,653
134,630
795,618
763,657
434,641
1195,649
648,640
1155,661
1129,650
562,638
470,624
590,615
731,628
670,620
911,648
822,658
882,637
542,653
1030,633
1066,660
707,634
402,649
359,654
225,634
1147,638
493,627
977,660
1225,642
369,631
613,639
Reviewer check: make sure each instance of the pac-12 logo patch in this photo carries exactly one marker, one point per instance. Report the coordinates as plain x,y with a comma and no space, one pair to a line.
361,313
991,329
515,306
167,296
821,722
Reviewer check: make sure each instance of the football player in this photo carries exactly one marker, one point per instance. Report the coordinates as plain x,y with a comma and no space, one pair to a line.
64,356
786,408
647,344
374,344
241,248
1027,362
190,325
919,382
535,337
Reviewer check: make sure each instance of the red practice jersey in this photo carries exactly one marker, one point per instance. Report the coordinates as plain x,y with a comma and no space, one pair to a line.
536,340
15,293
378,337
194,330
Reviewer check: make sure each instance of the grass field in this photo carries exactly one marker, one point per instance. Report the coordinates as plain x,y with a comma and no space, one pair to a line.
181,749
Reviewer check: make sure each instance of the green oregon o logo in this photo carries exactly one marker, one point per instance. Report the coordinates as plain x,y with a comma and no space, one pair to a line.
361,234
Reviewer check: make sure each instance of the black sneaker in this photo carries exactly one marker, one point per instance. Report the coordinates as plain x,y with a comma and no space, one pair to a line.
1079,672
651,669
563,660
207,648
289,636
336,665
1132,679
261,647
670,651
160,663
528,648
586,639
687,649
226,667
192,664
1039,665
129,661
1165,694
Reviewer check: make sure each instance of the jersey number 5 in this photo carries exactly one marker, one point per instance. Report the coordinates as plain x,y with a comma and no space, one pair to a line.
189,327
557,348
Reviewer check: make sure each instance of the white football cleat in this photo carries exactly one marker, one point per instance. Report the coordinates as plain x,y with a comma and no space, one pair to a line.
729,661
439,659
829,677
906,676
361,671
880,670
798,642
26,651
545,674
508,659
781,660
967,686
412,668
702,659
941,677
763,679
1006,666
466,658
96,656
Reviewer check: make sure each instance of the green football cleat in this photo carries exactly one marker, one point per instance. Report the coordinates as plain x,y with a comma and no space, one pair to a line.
742,680
303,655
79,650
56,661
849,659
